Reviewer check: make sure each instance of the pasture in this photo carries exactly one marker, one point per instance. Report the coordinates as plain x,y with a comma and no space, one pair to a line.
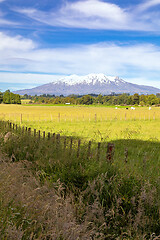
90,123
136,130
114,198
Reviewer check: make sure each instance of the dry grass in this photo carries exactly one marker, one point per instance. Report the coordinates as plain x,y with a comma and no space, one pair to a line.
47,212
50,214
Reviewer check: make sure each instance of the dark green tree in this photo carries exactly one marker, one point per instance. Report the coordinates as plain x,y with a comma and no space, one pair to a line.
1,97
6,97
11,98
87,100
152,99
135,98
100,99
17,99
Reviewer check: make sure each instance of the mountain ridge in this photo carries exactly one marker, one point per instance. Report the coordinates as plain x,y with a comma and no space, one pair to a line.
89,84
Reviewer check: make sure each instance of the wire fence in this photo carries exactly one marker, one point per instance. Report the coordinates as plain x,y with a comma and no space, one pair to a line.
62,144
61,117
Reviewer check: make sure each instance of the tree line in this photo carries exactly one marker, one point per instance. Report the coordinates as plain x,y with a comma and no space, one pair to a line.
91,99
10,98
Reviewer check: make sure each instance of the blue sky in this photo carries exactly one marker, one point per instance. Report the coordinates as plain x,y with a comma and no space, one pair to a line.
41,41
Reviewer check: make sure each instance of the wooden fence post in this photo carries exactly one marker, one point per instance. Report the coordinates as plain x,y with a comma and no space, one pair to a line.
29,131
64,143
13,126
154,116
53,137
71,142
98,150
57,141
126,155
110,151
34,132
89,149
49,135
39,134
95,117
44,134
78,150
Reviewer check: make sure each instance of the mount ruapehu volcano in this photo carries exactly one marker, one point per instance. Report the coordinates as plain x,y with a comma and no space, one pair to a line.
91,83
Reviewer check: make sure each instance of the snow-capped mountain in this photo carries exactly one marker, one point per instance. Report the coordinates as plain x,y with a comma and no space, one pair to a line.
89,79
91,83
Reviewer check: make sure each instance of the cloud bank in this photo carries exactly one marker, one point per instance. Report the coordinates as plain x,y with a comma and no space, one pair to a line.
97,14
22,55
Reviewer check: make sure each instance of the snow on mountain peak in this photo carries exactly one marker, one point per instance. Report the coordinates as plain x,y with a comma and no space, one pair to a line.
89,79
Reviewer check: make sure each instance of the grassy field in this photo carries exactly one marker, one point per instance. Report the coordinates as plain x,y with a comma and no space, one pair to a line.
111,200
137,130
91,123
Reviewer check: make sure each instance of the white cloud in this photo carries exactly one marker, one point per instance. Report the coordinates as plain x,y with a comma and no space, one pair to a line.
20,55
28,78
93,14
13,43
148,4
144,81
97,14
86,58
95,8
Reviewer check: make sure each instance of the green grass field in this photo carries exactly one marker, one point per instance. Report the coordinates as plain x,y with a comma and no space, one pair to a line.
91,123
115,200
137,130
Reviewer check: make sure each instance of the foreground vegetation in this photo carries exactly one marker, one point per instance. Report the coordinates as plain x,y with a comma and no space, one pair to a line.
94,198
52,189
